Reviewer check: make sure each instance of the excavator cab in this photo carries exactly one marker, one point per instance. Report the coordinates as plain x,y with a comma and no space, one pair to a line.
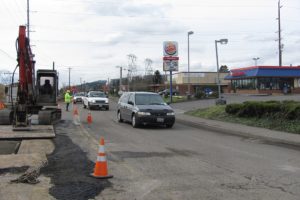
47,87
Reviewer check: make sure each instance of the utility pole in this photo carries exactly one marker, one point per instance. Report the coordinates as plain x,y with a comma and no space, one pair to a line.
121,69
80,84
28,23
69,78
280,46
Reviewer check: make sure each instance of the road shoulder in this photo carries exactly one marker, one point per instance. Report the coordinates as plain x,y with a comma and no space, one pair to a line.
239,129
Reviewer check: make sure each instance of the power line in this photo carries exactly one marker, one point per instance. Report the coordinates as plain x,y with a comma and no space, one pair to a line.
9,56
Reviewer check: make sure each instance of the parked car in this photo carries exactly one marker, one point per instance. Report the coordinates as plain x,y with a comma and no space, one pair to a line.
96,99
167,92
78,97
142,108
208,91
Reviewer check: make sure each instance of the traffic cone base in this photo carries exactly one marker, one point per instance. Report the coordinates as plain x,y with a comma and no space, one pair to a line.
76,118
102,177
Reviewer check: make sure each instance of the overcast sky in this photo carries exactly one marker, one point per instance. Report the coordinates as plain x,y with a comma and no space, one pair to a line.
94,36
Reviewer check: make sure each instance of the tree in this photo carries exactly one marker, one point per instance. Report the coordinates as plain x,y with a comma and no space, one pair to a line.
157,79
223,68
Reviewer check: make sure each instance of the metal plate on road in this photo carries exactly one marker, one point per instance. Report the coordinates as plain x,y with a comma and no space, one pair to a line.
37,131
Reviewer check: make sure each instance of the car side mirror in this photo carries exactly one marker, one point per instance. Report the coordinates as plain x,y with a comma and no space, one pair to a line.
87,95
130,102
168,103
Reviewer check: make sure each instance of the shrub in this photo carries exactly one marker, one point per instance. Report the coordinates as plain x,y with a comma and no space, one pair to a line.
233,108
251,109
214,95
199,95
271,107
290,110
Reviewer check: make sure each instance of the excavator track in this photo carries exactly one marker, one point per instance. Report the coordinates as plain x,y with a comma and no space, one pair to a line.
6,117
49,116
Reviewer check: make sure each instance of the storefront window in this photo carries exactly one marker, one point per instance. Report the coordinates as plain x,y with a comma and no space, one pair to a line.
249,83
274,83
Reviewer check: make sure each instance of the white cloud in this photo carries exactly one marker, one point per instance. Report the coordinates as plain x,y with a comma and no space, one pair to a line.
94,36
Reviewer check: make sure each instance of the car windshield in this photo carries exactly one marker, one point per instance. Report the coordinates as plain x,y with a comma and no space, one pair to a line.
97,94
148,99
79,94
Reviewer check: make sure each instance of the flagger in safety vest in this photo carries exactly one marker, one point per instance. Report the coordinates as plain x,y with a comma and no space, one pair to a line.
68,98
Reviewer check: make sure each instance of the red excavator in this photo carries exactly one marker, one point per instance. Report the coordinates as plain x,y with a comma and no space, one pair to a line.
37,91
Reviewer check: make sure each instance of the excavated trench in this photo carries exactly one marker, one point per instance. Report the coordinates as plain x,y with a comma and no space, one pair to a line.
69,169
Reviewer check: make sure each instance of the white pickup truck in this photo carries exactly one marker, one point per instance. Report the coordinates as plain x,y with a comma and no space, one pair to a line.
95,99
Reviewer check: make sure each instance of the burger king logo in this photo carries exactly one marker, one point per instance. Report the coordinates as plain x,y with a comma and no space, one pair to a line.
170,48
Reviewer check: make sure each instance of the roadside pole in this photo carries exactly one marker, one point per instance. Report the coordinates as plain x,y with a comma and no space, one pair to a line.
170,61
171,88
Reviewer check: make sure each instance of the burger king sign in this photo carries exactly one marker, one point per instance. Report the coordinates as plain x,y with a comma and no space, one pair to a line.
170,48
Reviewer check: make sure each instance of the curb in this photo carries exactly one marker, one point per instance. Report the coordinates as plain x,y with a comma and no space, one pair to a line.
222,130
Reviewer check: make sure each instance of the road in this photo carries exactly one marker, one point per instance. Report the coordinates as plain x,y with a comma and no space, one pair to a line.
159,163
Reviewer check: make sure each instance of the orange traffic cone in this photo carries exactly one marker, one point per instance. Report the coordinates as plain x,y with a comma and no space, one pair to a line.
75,111
76,118
89,118
2,106
100,170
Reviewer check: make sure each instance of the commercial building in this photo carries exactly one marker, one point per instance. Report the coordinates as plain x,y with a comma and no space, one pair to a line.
198,81
264,80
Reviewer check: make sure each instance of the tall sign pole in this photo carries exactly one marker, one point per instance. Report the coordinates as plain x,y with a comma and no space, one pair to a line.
170,59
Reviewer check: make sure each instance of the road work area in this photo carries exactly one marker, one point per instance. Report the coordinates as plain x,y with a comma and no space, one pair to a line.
154,163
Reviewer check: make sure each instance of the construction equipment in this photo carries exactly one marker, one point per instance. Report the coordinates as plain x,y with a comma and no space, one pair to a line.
36,94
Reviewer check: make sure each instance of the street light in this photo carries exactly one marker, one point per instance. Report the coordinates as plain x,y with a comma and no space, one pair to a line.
221,41
255,60
121,69
189,84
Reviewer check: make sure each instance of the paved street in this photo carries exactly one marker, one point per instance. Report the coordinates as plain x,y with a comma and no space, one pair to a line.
187,163
159,163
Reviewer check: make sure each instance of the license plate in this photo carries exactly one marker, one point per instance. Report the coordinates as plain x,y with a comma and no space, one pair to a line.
160,119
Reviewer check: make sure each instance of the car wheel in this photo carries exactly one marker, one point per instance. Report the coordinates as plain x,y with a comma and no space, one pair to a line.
169,125
107,108
119,117
134,122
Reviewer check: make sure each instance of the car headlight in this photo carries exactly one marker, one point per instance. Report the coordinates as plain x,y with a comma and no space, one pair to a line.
171,114
143,113
93,101
106,100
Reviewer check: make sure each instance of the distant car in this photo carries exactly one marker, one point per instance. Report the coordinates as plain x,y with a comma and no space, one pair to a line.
78,97
208,91
96,99
167,92
142,108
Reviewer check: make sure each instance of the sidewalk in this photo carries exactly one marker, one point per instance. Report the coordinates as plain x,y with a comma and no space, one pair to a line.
239,129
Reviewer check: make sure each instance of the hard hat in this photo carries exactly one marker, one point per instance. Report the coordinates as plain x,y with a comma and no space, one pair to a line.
68,90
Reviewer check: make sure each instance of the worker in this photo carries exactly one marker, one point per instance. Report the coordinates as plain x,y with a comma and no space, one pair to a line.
67,99
47,88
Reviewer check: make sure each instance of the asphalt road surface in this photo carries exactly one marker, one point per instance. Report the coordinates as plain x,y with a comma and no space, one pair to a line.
178,163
